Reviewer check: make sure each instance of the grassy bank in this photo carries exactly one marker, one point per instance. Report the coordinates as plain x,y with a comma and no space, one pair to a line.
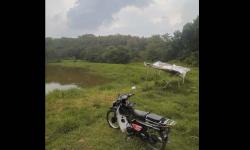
76,119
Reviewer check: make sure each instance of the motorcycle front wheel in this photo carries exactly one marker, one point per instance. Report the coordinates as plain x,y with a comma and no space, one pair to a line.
112,119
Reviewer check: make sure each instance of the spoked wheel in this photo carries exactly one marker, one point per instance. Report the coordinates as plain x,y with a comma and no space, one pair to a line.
156,141
112,120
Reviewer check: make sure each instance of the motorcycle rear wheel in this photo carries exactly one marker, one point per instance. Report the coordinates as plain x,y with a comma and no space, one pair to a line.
112,119
159,143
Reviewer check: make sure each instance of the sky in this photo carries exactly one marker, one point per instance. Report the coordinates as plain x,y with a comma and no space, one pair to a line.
72,18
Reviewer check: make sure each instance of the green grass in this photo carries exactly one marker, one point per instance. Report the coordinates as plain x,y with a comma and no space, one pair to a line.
76,119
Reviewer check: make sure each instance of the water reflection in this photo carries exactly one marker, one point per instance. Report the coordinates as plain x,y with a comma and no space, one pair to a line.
68,75
53,86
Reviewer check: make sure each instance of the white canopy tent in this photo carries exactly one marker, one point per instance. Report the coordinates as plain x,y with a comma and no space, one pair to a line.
181,71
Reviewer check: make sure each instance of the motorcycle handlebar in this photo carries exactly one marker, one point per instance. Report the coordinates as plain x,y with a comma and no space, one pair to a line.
125,97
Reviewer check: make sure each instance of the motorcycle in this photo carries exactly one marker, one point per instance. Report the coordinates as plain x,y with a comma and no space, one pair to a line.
151,128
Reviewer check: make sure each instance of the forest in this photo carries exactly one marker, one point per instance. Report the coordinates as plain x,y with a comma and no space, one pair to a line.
121,49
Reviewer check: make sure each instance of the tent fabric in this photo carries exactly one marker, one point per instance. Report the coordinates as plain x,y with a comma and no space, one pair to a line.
169,67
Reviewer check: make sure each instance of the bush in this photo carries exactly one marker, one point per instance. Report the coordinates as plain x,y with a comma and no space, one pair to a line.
117,55
192,59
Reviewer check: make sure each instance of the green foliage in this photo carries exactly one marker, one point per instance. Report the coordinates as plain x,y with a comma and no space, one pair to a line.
125,48
192,59
118,55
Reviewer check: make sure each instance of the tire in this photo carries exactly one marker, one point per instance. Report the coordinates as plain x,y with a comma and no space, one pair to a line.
112,120
164,145
159,145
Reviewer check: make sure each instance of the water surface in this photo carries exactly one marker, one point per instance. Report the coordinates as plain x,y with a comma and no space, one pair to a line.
57,86
73,75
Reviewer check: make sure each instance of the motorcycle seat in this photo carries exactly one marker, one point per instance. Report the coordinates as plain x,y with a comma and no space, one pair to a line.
147,116
155,118
141,115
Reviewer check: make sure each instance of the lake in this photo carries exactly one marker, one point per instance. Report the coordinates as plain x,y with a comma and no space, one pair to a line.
63,78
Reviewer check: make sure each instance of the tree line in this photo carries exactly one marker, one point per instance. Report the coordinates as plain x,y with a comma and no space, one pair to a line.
182,45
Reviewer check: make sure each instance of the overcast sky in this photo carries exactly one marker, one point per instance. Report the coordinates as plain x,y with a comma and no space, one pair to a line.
72,18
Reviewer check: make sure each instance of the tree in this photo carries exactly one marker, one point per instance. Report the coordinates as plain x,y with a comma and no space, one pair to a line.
116,55
182,45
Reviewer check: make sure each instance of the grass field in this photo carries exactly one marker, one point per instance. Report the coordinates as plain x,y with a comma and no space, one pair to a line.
76,118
